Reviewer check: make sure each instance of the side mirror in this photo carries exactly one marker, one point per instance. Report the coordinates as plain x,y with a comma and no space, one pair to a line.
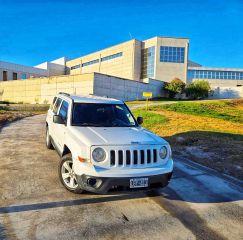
140,120
57,119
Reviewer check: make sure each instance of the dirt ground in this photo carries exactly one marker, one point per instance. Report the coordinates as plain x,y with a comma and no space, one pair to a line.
13,112
222,152
10,116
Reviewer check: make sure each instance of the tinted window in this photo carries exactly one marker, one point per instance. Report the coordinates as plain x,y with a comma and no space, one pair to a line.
57,105
111,57
148,62
64,110
172,54
102,115
90,62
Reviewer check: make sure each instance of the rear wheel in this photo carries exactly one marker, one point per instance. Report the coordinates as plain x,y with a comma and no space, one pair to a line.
67,175
48,139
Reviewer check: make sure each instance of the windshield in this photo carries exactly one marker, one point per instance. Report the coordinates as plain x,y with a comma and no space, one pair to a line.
102,115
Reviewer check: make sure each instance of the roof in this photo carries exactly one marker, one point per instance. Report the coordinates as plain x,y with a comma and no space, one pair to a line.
22,68
193,64
216,69
173,37
91,99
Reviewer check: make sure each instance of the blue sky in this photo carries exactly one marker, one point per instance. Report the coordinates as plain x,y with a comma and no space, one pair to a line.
34,31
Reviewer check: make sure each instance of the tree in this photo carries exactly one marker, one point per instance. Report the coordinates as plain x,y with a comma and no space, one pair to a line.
174,87
198,89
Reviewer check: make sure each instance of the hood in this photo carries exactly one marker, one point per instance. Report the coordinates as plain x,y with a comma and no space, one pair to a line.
115,136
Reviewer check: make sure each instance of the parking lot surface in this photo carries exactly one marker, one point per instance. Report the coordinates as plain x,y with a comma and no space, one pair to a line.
33,204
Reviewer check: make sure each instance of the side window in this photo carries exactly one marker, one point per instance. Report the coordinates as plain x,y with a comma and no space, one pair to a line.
57,105
64,110
53,102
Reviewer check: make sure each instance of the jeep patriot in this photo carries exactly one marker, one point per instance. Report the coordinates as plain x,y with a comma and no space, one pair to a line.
102,146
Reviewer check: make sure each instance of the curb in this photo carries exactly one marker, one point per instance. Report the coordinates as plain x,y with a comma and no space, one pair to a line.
236,182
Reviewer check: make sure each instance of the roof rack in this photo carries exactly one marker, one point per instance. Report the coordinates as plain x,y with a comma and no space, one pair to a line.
63,93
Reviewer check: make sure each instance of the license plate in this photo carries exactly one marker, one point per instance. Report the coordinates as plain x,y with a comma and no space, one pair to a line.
138,182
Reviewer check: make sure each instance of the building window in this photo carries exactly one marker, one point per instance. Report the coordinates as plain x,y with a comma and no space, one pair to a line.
172,54
111,57
220,75
5,76
23,76
148,55
75,67
90,62
15,76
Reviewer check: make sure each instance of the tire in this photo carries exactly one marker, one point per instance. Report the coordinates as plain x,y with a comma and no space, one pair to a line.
67,176
48,139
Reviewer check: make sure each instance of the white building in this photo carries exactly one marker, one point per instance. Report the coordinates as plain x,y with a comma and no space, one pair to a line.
13,71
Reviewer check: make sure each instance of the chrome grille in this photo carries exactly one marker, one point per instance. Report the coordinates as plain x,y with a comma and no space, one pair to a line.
134,157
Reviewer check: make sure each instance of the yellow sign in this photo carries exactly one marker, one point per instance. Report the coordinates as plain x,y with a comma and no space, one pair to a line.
147,94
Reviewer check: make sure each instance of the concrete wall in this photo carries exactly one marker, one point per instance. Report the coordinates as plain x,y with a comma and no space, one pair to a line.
42,90
224,83
219,82
227,92
122,66
124,89
167,71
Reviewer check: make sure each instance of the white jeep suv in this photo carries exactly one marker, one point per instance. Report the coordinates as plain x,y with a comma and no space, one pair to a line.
102,146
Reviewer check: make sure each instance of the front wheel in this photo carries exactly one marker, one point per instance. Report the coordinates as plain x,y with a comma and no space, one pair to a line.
67,175
48,139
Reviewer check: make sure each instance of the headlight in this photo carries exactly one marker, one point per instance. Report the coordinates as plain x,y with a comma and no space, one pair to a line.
163,152
99,154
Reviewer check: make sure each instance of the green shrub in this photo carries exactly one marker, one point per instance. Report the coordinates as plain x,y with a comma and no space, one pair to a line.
174,87
198,89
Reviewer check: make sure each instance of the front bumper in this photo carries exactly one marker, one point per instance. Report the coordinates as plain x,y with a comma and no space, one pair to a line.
102,185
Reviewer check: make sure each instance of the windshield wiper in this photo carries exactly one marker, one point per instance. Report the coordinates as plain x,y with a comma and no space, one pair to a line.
103,125
90,125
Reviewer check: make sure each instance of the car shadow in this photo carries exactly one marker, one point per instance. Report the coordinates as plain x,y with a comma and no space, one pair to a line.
89,199
2,232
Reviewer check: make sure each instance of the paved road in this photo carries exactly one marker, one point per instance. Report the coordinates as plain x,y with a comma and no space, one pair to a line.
143,104
34,205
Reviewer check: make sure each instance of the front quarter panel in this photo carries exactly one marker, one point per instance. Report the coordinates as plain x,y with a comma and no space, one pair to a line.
77,147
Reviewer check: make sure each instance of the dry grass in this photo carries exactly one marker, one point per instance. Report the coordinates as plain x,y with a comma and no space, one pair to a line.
180,122
12,112
224,109
10,116
210,141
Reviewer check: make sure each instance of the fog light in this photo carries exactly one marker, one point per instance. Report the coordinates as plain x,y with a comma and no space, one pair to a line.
91,181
